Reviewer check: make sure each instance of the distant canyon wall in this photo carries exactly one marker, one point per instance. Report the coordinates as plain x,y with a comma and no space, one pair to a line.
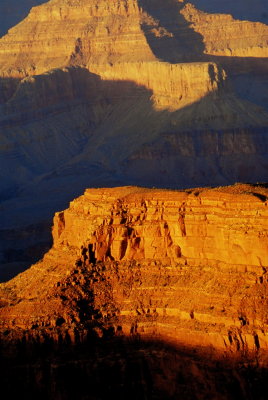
59,33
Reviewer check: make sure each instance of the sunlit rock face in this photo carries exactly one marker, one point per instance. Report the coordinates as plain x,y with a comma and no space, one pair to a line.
144,292
189,266
85,32
225,36
111,93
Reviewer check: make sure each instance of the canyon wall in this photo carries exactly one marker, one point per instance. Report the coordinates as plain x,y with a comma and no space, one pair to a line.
141,92
225,36
59,33
189,266
173,86
108,93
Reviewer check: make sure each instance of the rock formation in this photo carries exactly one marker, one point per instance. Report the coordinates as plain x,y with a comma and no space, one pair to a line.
104,93
186,266
144,293
87,32
231,41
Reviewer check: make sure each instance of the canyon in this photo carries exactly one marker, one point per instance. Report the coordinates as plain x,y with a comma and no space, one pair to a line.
157,272
133,92
152,283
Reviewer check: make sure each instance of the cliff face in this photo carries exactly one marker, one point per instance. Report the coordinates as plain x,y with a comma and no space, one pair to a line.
85,32
173,86
225,36
204,227
58,33
188,266
125,92
69,129
147,92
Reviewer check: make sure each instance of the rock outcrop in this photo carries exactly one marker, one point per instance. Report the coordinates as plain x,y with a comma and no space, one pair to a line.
225,36
143,290
189,266
125,92
59,33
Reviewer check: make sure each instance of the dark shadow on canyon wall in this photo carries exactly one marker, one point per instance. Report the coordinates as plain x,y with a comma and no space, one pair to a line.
126,368
83,153
8,87
183,44
247,76
241,65
64,98
175,41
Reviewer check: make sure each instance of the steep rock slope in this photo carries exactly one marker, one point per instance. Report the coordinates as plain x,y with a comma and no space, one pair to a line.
101,32
61,32
125,92
189,266
225,36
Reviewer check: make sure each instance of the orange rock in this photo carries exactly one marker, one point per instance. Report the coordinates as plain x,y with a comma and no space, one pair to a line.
225,36
188,265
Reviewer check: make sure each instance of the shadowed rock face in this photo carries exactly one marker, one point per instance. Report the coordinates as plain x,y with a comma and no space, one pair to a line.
43,163
175,40
111,93
133,369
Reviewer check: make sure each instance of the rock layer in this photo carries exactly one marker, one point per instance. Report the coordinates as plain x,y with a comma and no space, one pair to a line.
173,86
126,92
60,33
225,36
188,266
